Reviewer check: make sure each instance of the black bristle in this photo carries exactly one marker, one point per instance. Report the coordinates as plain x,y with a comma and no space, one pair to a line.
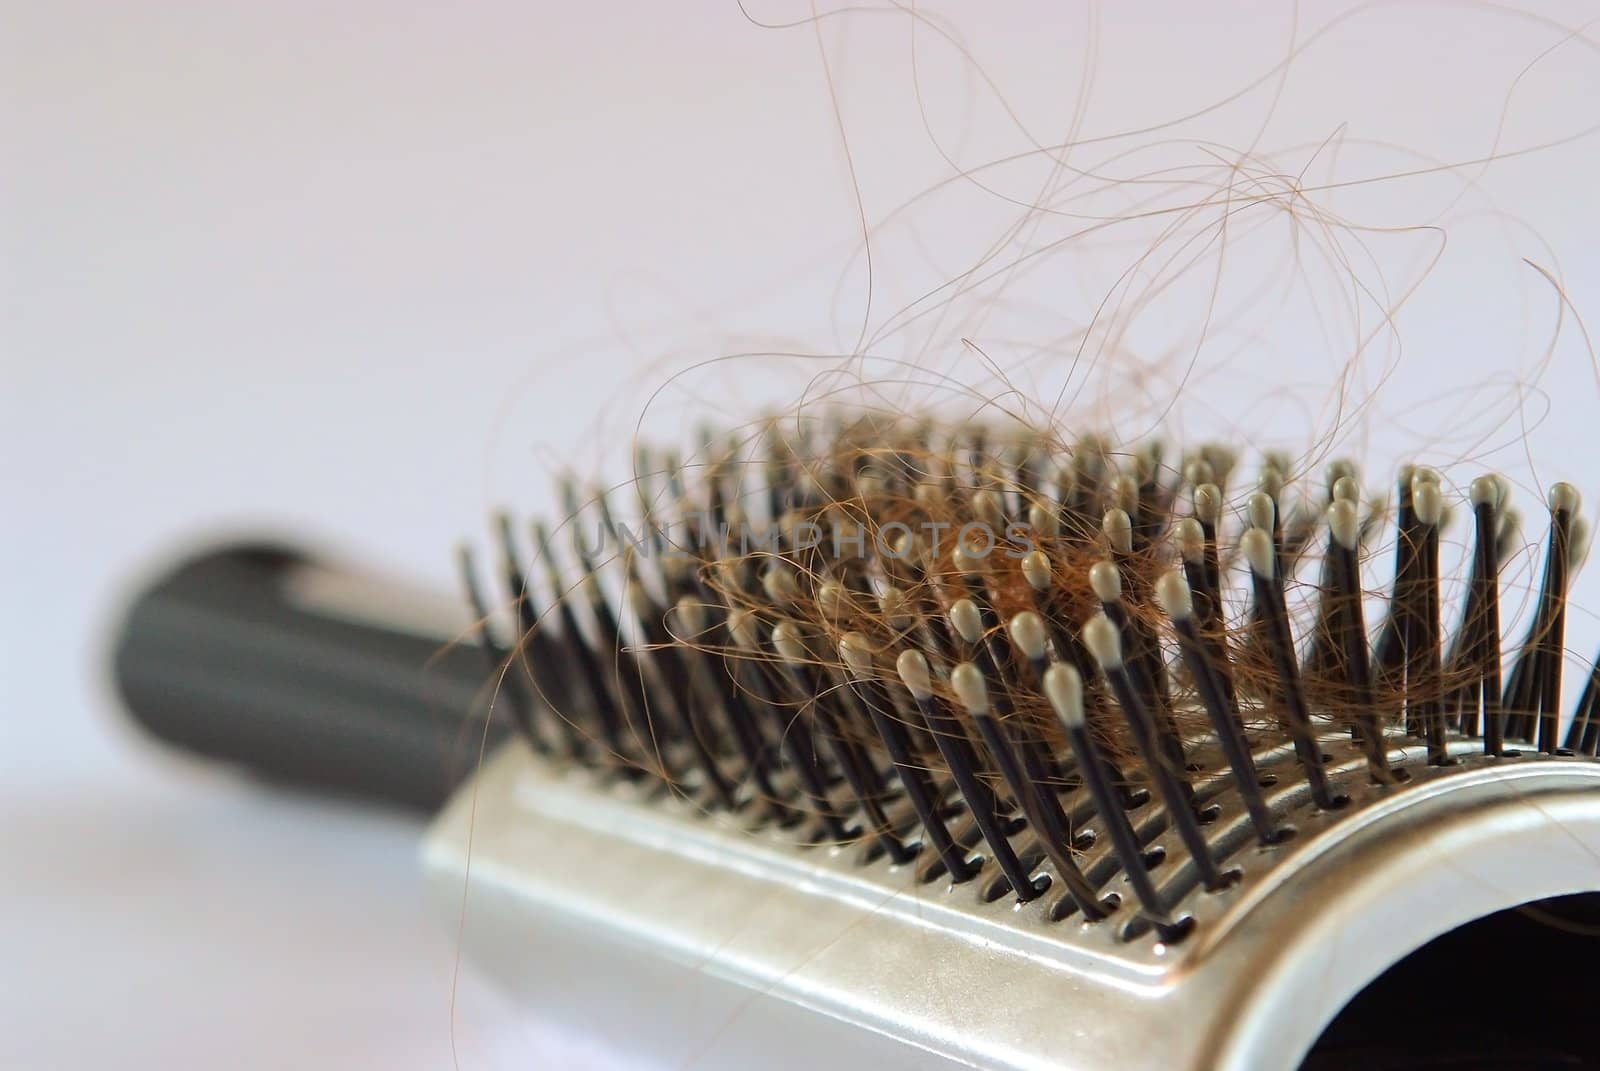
1124,842
758,676
1423,669
914,778
1348,653
1389,654
1176,792
1144,664
819,701
1026,770
1532,698
1483,651
956,748
1276,638
499,661
1030,794
588,666
1224,715
669,660
1466,644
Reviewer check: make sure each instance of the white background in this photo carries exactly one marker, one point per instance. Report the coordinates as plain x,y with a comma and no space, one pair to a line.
362,272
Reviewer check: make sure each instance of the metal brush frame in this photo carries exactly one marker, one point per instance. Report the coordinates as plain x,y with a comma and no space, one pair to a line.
818,957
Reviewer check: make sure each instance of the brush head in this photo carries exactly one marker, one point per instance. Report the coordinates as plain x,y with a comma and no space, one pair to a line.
915,546
940,685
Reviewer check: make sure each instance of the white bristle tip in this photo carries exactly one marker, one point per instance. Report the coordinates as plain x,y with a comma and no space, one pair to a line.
1172,592
1256,544
692,613
1346,489
1100,637
1564,498
1191,539
1036,570
779,586
1106,581
1344,522
1125,492
786,641
1487,491
856,653
967,620
1044,520
1262,511
1427,501
1028,633
1208,503
742,627
1118,529
969,688
1063,689
986,506
914,674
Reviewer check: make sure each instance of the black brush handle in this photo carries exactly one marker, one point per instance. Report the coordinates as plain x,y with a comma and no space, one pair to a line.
229,657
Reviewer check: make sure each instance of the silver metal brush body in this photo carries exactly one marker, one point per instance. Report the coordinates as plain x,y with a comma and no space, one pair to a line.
814,957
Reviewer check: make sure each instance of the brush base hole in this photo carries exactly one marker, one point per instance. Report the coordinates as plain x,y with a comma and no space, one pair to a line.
1543,1022
1066,907
1167,933
999,887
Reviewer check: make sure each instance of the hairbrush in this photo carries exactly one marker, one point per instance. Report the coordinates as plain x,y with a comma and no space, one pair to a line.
963,746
